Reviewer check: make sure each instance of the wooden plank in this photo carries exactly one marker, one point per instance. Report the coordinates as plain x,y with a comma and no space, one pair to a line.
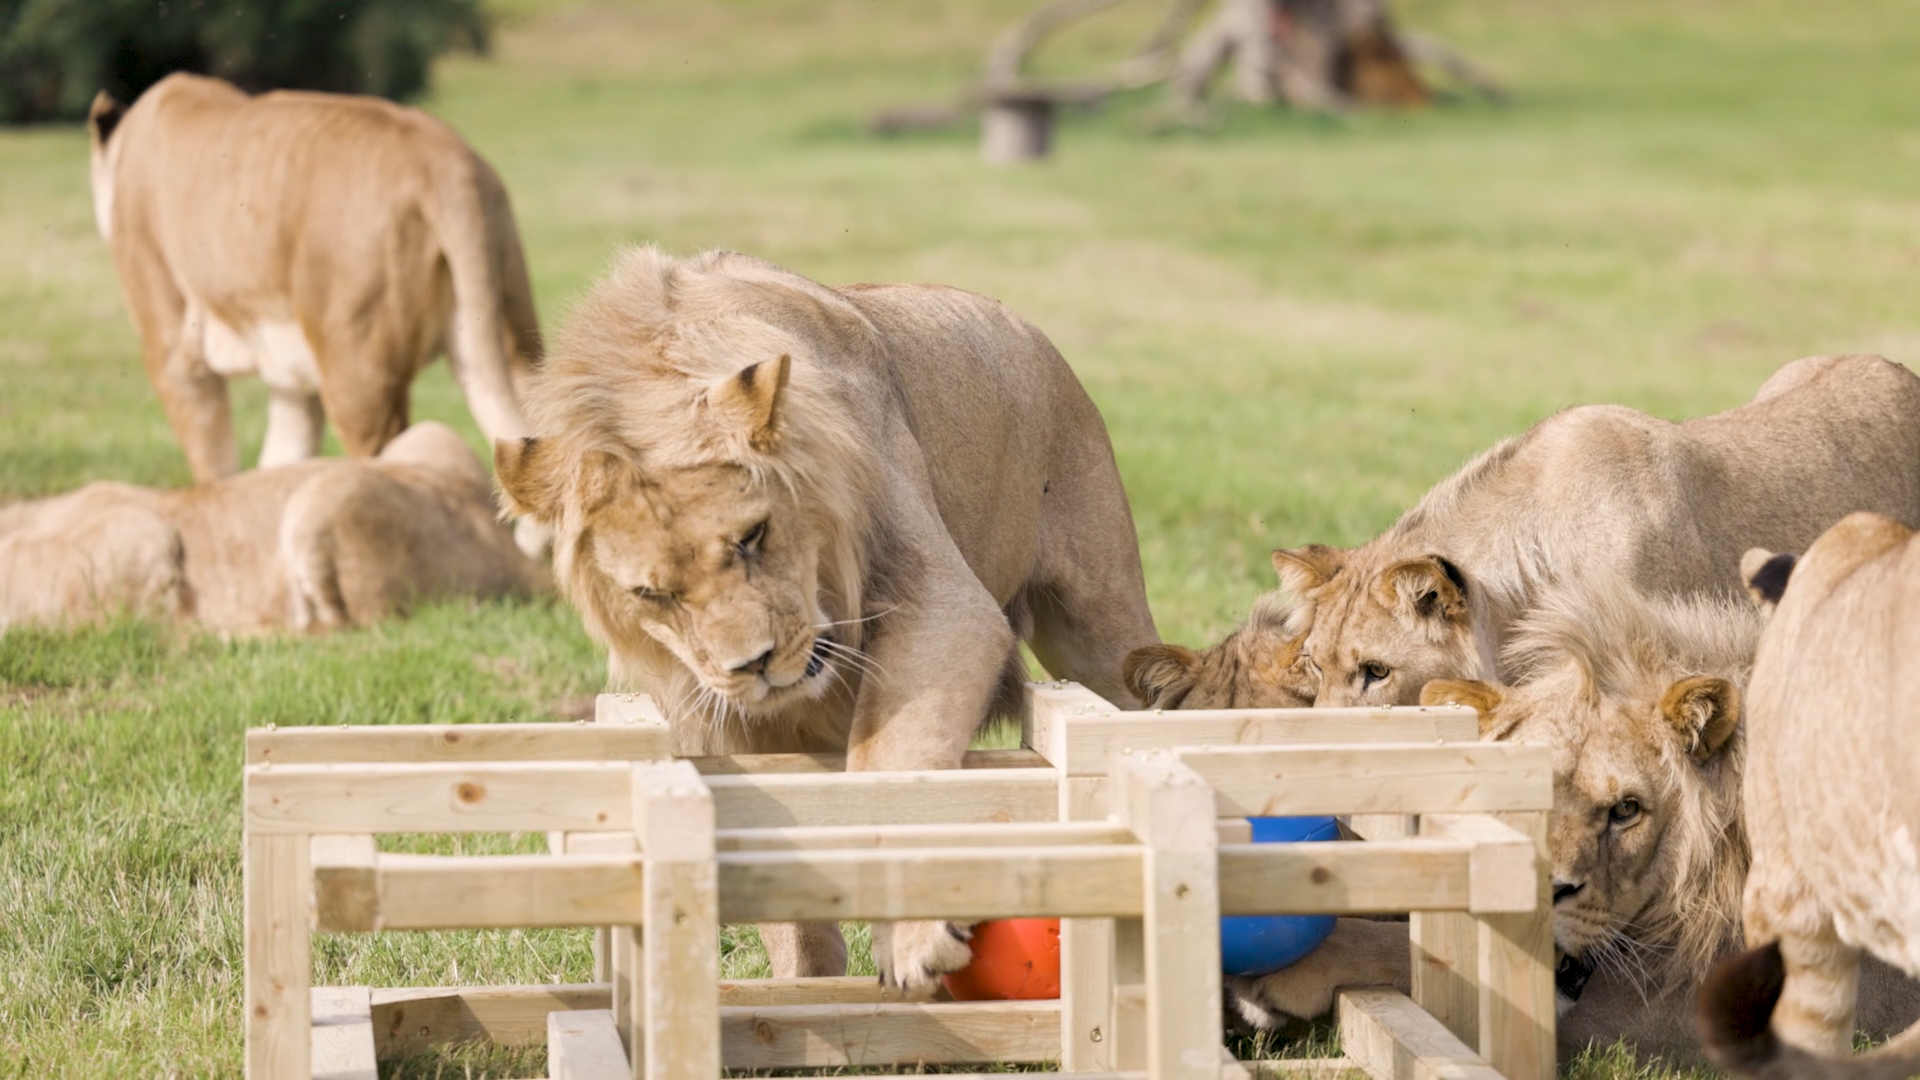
637,709
835,1036
874,837
1515,973
1381,826
1389,778
1335,1068
949,796
394,744
583,1045
459,892
1051,708
343,1033
673,816
278,964
1501,863
485,797
826,990
1390,1037
1171,809
1445,948
615,843
1090,741
753,764
352,898
989,883
1086,951
413,1020
1330,877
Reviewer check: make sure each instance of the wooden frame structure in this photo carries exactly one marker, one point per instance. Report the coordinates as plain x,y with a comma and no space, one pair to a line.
1130,826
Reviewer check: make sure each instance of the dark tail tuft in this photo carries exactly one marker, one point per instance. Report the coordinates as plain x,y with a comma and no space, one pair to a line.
1733,1014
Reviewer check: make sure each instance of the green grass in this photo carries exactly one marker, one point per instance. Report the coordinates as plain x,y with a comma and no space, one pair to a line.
1294,325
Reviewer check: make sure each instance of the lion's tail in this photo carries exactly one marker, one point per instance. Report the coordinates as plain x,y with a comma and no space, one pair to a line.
494,342
1734,1019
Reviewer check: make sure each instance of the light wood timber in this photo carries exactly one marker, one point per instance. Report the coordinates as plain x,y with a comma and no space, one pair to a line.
394,744
1334,878
948,796
1390,1037
414,1020
1086,949
450,798
343,1034
828,990
673,814
636,709
278,965
1389,778
834,1036
1501,861
1515,973
987,883
584,1045
457,892
874,837
1089,742
1334,1068
754,764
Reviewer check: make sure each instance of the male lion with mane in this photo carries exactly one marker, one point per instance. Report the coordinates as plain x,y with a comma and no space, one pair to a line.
1833,757
812,518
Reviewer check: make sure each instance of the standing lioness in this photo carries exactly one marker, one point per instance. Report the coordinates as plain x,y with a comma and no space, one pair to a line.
814,519
333,245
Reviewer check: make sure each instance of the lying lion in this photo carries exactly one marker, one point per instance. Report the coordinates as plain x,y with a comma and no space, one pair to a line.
332,245
320,544
822,519
1833,757
1611,497
1641,704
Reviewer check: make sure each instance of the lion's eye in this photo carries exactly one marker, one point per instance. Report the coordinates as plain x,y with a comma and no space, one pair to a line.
1624,811
750,543
1373,671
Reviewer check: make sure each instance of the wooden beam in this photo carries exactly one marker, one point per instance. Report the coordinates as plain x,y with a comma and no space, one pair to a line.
457,892
990,883
837,1036
950,796
278,959
343,1034
1385,1033
1388,877
583,1045
1500,863
393,744
825,990
1384,779
486,797
673,814
874,837
1515,973
414,1020
752,764
1086,743
1334,1068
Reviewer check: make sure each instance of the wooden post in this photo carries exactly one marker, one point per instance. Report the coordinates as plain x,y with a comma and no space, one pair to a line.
1515,969
1445,960
278,958
673,818
1171,809
1017,128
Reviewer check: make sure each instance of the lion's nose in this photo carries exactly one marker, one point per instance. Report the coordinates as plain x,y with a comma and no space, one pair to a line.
754,666
1566,890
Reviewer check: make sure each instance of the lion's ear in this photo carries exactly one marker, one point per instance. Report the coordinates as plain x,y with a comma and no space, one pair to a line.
103,117
532,477
1307,567
750,398
1429,588
1704,712
1483,697
1160,675
1765,575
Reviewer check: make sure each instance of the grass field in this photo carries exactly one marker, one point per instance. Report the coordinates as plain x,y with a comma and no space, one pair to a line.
1294,325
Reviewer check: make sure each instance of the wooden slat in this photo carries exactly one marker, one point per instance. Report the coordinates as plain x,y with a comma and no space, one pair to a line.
952,796
278,958
753,764
457,892
874,837
1330,877
990,883
834,1036
621,709
674,821
1381,826
1336,1068
583,1045
1515,973
413,1020
1389,778
488,797
1092,740
1500,863
1051,707
1086,952
1171,809
394,744
343,1034
1385,1033
826,990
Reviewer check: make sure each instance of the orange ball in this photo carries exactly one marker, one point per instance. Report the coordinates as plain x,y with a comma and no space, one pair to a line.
1013,960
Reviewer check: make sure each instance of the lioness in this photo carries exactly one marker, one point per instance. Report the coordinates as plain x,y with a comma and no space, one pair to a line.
1617,499
1641,704
318,544
819,519
1831,806
331,244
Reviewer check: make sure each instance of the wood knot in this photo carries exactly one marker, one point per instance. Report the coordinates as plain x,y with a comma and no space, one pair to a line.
451,737
260,1011
1321,875
470,792
764,1033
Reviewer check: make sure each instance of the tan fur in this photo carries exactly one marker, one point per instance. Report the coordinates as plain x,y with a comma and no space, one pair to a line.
815,519
331,244
319,544
1619,500
1831,800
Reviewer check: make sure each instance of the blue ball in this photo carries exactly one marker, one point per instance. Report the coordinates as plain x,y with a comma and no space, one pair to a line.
1254,945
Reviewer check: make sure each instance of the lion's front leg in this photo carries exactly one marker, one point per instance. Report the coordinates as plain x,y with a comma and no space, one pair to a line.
937,665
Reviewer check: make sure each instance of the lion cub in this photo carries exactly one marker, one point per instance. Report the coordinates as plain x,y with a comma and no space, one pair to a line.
315,545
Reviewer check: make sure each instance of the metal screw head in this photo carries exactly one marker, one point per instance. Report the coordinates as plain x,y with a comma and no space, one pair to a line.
1095,1035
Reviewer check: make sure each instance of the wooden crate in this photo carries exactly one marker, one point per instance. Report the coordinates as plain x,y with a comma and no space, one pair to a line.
1130,826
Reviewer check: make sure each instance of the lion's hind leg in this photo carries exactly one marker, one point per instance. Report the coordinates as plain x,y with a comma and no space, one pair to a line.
1816,1008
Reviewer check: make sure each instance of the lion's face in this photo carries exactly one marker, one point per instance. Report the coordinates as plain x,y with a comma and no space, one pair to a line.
720,570
1379,636
1627,788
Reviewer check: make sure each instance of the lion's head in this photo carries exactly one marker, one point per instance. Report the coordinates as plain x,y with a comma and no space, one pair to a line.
1383,627
1642,707
1259,666
706,491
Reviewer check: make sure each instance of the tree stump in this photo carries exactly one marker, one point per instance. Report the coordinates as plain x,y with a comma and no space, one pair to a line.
1015,128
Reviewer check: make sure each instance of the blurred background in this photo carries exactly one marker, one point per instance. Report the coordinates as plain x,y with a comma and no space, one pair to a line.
1295,315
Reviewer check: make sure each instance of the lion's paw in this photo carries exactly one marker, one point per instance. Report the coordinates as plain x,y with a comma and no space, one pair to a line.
911,955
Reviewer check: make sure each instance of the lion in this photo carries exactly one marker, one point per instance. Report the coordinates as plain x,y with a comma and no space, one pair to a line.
330,244
812,518
1831,807
1641,703
315,545
1618,499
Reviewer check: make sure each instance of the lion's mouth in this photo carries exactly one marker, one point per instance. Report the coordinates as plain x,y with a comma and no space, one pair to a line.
1571,976
817,659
